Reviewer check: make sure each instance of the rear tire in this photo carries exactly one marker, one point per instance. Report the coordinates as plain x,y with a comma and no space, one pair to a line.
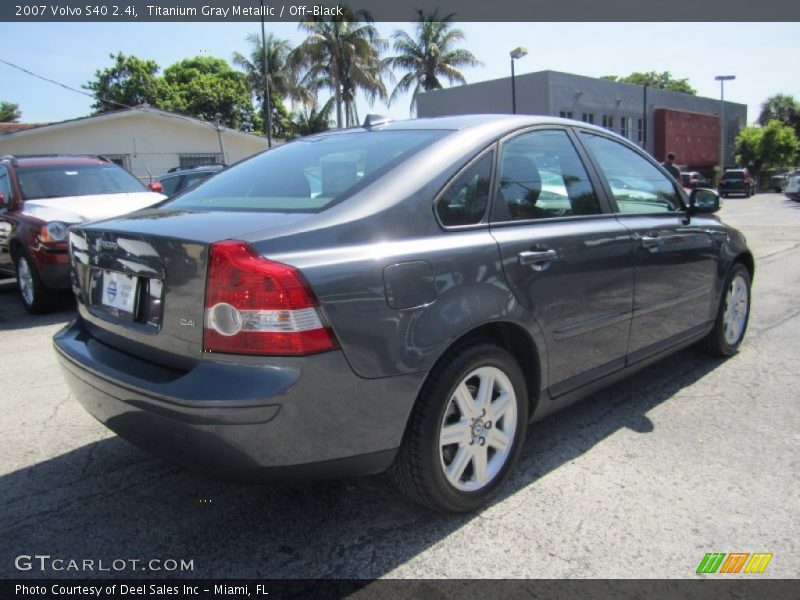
465,432
36,298
733,314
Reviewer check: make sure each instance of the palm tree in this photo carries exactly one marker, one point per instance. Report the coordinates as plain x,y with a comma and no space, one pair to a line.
342,54
315,120
281,79
429,55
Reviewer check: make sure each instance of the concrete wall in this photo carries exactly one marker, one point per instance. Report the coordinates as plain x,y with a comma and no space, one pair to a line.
151,142
550,92
489,97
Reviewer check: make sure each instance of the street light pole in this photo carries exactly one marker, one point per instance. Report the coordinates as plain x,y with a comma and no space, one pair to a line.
515,54
722,79
644,118
218,127
267,108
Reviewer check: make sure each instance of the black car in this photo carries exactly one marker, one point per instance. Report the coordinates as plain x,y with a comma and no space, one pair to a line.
179,179
737,181
405,296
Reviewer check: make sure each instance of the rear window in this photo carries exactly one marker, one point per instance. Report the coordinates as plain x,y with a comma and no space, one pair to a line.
307,175
733,175
54,181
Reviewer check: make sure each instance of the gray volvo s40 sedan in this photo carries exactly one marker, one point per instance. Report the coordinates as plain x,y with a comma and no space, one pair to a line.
404,296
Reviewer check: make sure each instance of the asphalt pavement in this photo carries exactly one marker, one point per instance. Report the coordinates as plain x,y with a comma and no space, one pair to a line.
690,456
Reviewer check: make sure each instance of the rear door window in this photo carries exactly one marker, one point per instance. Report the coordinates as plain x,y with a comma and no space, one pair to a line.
542,177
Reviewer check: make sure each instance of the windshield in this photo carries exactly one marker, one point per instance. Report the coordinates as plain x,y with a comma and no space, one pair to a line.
55,181
307,175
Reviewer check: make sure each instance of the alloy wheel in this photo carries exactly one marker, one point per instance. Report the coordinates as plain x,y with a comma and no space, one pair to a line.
478,429
25,279
735,315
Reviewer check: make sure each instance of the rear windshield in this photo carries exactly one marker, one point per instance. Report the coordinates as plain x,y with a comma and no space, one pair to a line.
307,175
734,175
54,181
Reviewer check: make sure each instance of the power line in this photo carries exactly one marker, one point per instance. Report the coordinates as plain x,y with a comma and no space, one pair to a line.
96,97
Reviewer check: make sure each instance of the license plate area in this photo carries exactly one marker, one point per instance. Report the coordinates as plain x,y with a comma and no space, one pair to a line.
119,294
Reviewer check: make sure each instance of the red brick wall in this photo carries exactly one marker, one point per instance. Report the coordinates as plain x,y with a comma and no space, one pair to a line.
693,137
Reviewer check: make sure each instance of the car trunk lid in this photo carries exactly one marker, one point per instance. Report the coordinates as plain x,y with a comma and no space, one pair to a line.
140,279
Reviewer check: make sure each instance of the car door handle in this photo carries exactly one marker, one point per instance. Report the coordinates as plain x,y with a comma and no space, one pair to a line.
531,257
651,241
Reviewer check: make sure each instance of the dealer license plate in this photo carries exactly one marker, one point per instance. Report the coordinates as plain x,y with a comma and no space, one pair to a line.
119,291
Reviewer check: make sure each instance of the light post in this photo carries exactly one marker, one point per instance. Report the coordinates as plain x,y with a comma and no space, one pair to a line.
515,54
722,79
218,127
644,118
267,111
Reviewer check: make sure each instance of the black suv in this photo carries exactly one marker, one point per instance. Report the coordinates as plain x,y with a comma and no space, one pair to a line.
179,179
737,181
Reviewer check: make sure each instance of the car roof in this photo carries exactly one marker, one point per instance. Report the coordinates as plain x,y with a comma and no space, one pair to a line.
491,125
56,159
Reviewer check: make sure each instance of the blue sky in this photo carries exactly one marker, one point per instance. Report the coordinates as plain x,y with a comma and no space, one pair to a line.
763,56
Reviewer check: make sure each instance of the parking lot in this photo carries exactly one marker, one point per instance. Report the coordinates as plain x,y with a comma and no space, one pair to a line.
691,455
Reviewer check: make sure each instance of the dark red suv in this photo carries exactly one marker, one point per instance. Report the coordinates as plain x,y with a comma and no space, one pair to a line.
40,197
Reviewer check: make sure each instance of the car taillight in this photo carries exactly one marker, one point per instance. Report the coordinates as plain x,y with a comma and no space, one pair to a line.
258,306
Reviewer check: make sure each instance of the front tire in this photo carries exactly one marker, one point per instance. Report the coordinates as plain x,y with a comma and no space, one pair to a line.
732,316
466,431
36,298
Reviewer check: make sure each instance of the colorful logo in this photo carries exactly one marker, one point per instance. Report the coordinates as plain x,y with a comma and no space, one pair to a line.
736,562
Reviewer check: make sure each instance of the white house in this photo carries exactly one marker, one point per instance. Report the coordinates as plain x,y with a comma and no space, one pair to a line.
145,140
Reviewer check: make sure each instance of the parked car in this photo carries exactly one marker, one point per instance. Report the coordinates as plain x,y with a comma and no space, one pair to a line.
40,197
737,181
778,181
442,284
792,189
694,179
178,180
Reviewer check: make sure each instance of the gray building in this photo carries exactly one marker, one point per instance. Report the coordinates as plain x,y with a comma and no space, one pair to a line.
617,106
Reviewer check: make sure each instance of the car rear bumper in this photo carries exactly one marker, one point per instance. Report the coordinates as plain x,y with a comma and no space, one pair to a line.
308,417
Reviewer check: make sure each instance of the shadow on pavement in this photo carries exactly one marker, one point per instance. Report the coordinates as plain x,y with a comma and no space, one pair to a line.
14,316
107,500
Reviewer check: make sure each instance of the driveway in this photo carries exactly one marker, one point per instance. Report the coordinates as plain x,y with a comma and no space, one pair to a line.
692,455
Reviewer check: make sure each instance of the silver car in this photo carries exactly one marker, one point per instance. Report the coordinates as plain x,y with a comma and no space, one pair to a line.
404,295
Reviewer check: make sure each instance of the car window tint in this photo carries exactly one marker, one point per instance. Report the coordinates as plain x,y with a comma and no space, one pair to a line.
541,176
465,199
309,174
54,181
638,185
5,184
170,185
193,179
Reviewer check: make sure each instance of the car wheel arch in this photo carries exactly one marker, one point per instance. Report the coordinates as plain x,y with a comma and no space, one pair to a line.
518,342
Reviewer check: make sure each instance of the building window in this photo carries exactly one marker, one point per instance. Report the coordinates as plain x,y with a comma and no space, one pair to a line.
640,130
565,114
588,118
624,126
123,160
608,122
199,158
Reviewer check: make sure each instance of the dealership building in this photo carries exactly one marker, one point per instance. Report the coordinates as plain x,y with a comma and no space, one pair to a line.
659,120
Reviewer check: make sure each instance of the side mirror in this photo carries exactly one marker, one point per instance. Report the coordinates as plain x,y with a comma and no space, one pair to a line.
156,187
703,201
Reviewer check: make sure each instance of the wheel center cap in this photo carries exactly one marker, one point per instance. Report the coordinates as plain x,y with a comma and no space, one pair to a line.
478,428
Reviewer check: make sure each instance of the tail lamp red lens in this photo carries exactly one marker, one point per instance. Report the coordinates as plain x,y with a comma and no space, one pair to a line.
258,306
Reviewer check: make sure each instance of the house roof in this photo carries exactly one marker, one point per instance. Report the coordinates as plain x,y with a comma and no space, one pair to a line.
14,127
36,128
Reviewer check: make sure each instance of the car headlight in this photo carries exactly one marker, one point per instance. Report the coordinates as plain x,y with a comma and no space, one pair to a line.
54,232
